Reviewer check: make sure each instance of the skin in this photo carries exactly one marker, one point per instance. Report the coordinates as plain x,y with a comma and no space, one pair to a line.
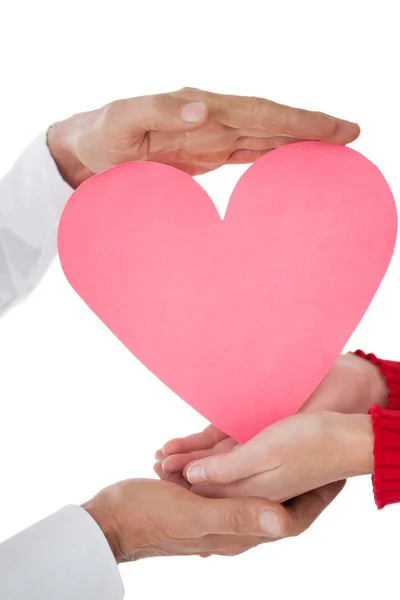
192,130
301,453
144,518
197,132
293,456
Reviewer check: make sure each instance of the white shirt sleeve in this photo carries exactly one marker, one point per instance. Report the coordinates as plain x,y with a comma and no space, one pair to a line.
63,557
32,198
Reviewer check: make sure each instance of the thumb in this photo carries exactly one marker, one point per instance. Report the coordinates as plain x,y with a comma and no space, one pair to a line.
244,460
162,112
244,516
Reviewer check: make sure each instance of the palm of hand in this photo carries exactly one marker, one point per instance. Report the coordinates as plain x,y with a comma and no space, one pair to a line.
144,518
195,152
206,149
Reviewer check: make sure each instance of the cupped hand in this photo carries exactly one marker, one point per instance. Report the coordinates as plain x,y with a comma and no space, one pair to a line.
302,453
193,130
143,518
353,385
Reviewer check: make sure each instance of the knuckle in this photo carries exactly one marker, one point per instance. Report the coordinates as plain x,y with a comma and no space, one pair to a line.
156,103
329,125
159,100
111,110
254,106
222,468
191,94
290,120
218,474
240,521
188,89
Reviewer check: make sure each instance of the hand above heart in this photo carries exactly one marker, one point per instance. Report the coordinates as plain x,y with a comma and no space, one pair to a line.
192,130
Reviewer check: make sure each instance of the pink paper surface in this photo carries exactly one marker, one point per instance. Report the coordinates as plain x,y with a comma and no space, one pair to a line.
241,318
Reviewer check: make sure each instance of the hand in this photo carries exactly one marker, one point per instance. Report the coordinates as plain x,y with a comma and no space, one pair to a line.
192,130
353,385
146,518
287,459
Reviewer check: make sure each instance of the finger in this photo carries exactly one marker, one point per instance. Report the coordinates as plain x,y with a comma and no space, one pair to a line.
197,441
250,142
243,461
243,157
162,112
345,133
157,468
257,485
278,119
232,545
305,509
177,462
227,490
159,455
243,516
221,448
264,485
176,478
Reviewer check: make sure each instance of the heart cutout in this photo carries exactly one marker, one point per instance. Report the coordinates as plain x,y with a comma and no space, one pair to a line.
242,318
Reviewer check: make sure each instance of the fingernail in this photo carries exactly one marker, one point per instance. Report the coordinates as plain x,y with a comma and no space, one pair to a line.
196,474
270,524
193,112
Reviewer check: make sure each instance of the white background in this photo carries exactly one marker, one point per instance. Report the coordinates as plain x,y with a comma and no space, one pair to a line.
77,410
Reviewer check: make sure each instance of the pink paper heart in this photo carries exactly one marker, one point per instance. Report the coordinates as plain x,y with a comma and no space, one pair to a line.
242,318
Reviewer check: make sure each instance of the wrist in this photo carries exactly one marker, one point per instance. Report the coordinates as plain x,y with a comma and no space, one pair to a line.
371,384
355,438
60,138
100,512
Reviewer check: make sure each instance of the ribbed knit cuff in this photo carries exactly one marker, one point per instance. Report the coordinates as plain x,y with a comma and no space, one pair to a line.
386,477
391,372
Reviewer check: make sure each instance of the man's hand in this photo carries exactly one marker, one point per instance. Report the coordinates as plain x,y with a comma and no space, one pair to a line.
192,130
146,518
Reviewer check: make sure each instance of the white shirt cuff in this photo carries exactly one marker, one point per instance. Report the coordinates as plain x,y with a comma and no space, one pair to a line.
63,557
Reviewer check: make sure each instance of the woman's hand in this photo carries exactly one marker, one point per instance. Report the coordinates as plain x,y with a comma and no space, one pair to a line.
353,385
287,459
192,130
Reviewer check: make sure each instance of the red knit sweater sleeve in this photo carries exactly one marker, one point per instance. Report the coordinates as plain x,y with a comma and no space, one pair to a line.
386,477
386,428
